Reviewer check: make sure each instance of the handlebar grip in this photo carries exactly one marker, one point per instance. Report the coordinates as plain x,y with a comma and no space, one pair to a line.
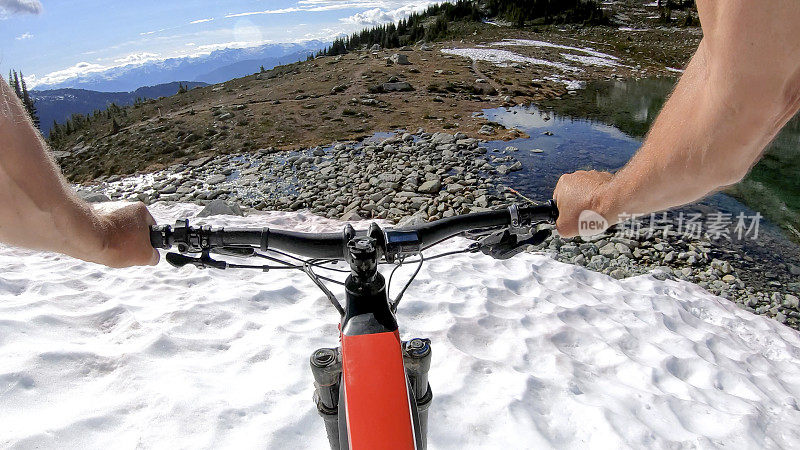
158,237
553,209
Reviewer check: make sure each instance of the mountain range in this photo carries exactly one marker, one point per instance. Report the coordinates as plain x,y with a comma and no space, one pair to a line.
122,85
216,67
59,104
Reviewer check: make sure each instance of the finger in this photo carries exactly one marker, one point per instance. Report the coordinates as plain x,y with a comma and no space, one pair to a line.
155,258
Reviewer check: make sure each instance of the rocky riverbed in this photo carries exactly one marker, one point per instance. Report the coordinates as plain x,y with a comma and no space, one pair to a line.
418,177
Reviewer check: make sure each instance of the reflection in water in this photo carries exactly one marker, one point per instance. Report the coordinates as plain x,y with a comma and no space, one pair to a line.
557,145
773,186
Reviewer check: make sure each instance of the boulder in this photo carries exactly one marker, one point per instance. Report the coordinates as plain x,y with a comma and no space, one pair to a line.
94,197
397,58
430,187
220,208
397,86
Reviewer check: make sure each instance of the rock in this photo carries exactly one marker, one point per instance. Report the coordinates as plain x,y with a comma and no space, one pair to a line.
517,166
399,86
58,155
791,301
318,152
610,251
537,150
411,221
622,249
375,48
351,216
400,59
220,208
93,197
443,139
618,273
171,189
430,187
486,129
225,116
729,279
216,179
455,188
794,270
199,162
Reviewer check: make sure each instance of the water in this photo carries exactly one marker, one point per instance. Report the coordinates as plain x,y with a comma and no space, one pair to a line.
567,145
601,127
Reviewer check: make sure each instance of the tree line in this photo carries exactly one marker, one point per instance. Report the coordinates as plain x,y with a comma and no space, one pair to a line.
17,83
433,23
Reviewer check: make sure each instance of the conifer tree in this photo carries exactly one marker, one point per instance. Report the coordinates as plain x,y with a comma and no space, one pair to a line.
17,83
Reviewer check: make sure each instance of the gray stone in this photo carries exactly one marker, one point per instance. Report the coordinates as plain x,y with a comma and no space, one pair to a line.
618,273
216,179
610,251
220,208
397,86
94,197
486,129
400,59
791,301
430,187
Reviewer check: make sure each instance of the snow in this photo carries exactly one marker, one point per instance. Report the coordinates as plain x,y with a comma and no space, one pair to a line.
503,57
534,43
589,60
572,85
528,353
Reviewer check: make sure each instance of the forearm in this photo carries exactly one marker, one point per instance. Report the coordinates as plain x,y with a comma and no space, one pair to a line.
37,208
710,132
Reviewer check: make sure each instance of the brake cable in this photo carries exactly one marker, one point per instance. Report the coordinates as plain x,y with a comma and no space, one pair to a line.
307,268
399,297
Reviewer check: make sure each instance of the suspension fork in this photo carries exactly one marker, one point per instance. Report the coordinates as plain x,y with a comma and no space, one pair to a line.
326,366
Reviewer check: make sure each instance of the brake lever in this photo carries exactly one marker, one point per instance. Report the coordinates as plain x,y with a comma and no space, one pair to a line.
203,262
505,244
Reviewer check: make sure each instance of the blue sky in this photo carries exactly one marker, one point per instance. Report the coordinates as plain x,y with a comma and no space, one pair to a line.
52,40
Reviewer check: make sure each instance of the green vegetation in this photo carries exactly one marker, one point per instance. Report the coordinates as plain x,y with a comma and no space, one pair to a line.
519,12
433,23
17,83
77,122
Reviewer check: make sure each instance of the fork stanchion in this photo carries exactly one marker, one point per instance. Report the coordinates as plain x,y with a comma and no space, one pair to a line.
417,360
326,366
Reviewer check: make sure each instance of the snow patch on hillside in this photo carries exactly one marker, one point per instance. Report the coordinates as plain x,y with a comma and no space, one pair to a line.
527,353
503,57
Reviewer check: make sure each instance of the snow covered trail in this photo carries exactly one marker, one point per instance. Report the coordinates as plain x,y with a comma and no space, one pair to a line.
528,353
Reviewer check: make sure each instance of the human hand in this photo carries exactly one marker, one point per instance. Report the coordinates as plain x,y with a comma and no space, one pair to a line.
578,192
126,237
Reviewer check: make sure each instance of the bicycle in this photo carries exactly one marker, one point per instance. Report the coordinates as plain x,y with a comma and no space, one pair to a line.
375,382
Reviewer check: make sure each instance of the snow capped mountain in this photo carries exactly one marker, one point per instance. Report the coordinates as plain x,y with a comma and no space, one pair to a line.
215,67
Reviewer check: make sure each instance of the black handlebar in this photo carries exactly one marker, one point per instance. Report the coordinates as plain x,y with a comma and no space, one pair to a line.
331,245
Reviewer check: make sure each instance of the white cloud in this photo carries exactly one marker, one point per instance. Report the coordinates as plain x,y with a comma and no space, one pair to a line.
378,16
200,21
327,5
82,68
268,11
23,36
137,58
20,7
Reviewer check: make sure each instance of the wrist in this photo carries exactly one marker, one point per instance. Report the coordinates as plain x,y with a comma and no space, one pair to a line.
84,233
605,202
